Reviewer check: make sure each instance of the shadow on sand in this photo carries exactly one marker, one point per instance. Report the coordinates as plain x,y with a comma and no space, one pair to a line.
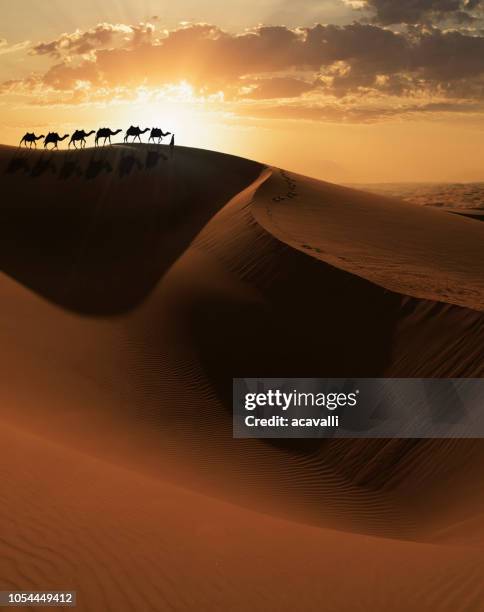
93,231
35,165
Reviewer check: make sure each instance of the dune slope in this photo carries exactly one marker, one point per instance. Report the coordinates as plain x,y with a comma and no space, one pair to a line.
134,286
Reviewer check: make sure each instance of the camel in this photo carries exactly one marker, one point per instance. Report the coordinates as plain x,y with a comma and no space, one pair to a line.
54,138
135,132
105,133
79,135
157,133
31,138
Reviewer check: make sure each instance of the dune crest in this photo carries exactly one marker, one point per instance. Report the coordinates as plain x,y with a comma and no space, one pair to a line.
413,250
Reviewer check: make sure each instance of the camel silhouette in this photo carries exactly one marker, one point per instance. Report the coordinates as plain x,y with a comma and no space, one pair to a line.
135,132
54,138
157,133
79,135
106,134
31,138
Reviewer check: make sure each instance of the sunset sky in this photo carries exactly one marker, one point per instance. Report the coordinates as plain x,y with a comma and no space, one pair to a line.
348,91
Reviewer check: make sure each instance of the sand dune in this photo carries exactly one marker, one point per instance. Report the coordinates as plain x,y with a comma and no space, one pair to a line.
134,286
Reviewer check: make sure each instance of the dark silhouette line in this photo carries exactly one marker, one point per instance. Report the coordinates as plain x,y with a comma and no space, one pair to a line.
31,138
135,132
54,138
79,136
157,133
105,134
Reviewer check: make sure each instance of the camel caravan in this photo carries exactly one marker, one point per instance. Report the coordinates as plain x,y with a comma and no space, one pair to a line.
103,137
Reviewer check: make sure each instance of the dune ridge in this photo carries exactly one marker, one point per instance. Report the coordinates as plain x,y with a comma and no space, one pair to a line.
124,320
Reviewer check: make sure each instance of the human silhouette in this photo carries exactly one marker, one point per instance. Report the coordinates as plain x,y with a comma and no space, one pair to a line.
135,132
106,134
31,138
79,135
172,142
54,138
157,133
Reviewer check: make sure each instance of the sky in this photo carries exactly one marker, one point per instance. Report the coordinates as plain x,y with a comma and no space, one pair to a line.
343,90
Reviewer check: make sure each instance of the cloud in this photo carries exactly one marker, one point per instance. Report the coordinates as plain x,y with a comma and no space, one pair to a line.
352,64
6,48
276,87
194,53
389,12
104,35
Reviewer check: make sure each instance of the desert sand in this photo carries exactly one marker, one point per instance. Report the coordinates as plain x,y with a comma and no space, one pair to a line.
135,284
